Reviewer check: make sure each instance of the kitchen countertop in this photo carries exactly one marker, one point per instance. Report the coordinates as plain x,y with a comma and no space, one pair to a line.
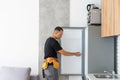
92,77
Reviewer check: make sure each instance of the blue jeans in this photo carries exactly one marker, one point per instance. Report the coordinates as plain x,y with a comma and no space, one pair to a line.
51,73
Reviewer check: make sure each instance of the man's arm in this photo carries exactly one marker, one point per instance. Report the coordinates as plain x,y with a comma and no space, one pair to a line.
66,53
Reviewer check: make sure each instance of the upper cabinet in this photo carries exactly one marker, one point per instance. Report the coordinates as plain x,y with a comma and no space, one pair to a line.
117,16
110,18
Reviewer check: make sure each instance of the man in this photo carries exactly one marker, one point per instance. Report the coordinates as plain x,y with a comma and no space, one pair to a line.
52,47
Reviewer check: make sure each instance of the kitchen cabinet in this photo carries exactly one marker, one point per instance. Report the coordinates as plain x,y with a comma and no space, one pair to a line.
117,17
110,18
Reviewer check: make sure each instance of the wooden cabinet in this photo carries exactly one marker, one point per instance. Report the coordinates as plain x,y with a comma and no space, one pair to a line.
107,18
117,17
110,18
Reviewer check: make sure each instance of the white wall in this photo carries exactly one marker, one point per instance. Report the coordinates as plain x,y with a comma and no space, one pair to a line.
78,12
19,33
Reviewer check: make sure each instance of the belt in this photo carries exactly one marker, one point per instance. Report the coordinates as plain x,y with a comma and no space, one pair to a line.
51,58
50,64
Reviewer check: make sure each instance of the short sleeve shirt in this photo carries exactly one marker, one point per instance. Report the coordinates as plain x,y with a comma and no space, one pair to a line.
51,47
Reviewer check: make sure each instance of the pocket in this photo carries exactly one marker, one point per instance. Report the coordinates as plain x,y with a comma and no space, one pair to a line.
45,65
56,64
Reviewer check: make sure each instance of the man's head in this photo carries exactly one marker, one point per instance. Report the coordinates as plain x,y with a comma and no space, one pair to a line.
58,31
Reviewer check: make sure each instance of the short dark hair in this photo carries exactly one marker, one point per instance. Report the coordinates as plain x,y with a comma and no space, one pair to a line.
58,28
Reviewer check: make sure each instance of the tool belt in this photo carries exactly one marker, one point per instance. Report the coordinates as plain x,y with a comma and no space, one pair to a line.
48,61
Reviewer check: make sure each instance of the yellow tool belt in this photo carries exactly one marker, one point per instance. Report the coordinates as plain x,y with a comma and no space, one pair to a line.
50,60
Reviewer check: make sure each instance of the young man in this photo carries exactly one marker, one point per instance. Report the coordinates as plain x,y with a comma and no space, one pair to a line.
52,47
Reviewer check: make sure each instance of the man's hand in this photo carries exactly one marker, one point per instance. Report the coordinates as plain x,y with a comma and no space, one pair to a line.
77,54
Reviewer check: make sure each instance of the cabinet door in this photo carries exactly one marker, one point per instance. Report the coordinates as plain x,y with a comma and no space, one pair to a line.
107,18
117,17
